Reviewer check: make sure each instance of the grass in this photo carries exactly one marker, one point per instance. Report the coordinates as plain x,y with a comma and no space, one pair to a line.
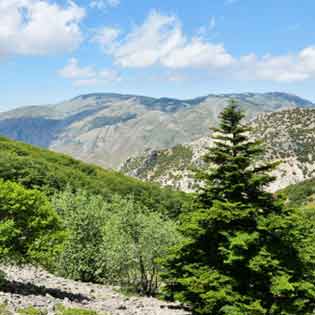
31,311
62,310
4,310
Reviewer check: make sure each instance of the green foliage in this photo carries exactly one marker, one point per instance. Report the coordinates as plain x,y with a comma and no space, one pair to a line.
4,310
31,311
83,217
50,172
118,242
62,310
244,252
26,218
158,162
134,239
300,194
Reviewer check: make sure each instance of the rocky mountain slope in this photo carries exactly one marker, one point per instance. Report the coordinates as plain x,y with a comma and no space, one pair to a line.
289,136
42,293
107,129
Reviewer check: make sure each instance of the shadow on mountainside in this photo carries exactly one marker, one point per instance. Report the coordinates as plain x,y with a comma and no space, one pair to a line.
40,131
16,287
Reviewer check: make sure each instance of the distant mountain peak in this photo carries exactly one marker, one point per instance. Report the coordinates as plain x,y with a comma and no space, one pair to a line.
108,128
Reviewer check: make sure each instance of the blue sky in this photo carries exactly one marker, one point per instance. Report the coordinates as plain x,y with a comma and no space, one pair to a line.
51,50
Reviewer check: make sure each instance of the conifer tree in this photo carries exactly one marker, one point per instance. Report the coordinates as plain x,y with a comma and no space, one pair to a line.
243,253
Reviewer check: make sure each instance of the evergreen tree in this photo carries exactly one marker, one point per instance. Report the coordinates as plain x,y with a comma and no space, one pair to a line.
244,252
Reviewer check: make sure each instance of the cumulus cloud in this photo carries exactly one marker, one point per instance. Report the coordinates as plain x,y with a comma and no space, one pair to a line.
104,4
38,27
198,54
88,75
160,41
285,68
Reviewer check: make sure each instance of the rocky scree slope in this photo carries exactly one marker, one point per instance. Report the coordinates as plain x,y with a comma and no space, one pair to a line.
107,129
289,136
31,287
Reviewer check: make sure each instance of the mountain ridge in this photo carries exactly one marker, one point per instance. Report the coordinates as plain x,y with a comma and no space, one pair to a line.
108,128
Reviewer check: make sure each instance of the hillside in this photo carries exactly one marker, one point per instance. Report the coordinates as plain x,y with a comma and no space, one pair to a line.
49,171
288,134
107,129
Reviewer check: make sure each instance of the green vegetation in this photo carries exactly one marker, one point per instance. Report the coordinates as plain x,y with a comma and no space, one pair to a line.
71,218
62,310
50,172
244,253
157,163
234,249
300,194
4,310
118,242
27,218
31,311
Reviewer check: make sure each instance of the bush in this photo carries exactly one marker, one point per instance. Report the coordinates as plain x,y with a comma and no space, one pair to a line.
83,217
118,242
26,218
134,239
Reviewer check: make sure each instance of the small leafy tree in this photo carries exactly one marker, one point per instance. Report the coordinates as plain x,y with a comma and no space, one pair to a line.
134,239
243,253
117,242
26,219
84,216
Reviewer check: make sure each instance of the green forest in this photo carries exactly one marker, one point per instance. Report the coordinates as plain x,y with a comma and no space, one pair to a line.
230,248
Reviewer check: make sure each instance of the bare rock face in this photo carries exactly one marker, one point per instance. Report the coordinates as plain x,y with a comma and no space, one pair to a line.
29,286
289,137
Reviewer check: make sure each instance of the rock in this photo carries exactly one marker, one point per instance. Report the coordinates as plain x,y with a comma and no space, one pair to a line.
122,307
42,290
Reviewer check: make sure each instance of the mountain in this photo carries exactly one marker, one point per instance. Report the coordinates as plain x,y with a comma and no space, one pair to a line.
49,171
107,129
289,136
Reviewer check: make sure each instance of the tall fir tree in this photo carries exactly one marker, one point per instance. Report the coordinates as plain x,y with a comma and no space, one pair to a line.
244,252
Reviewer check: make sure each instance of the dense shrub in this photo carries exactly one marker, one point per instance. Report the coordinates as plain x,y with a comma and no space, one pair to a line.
134,239
83,216
26,219
118,242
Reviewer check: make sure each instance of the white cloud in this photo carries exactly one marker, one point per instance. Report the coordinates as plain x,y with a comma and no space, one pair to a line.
198,54
73,71
104,4
88,75
285,68
160,41
39,27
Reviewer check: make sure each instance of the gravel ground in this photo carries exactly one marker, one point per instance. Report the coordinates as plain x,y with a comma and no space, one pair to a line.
29,286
